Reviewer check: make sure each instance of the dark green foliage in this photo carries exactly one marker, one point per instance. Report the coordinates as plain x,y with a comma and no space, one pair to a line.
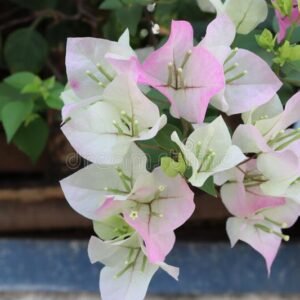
25,50
24,99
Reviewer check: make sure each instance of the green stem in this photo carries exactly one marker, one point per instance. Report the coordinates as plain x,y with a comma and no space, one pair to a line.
37,21
186,126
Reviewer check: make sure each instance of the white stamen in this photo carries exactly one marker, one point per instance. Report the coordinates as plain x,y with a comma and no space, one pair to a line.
161,188
134,215
180,83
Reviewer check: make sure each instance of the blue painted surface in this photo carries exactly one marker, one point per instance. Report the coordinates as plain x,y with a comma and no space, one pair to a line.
205,268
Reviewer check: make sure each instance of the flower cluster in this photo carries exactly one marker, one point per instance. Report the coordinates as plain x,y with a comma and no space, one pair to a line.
108,117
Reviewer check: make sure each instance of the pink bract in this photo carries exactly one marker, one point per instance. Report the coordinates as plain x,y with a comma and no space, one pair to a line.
188,76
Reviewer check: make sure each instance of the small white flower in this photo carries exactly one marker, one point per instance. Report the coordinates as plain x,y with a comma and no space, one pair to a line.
103,131
209,150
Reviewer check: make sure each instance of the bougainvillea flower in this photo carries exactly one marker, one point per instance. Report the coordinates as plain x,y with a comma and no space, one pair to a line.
88,188
258,219
103,132
245,15
88,70
281,170
152,203
216,41
270,127
72,103
250,82
156,206
209,150
293,190
287,19
127,272
249,139
188,76
266,127
266,111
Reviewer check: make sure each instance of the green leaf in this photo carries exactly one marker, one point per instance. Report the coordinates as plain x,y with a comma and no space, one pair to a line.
117,4
49,83
13,115
292,74
295,38
32,139
140,2
7,94
33,87
159,99
25,50
111,4
153,152
286,92
129,17
163,137
20,80
188,172
209,187
165,12
53,100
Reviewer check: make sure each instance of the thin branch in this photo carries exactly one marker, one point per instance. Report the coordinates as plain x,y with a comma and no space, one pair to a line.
16,22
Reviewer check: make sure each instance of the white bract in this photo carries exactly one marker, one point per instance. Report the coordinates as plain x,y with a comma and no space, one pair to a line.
103,131
88,70
276,146
245,14
271,119
152,203
127,272
87,189
267,127
282,172
209,150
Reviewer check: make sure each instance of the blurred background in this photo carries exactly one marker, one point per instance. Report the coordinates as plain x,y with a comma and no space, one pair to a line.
42,240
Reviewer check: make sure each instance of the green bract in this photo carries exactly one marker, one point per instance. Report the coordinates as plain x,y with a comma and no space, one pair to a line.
286,53
284,6
246,14
266,40
171,167
112,228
